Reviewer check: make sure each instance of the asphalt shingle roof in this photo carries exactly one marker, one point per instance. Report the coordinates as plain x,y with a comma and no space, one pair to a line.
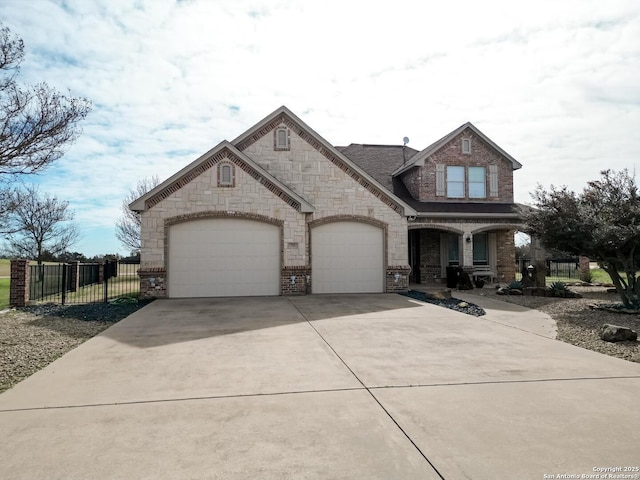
379,161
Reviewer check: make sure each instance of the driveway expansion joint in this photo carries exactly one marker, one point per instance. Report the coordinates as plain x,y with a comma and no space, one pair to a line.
375,399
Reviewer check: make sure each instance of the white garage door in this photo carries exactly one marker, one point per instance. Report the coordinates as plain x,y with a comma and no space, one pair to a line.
223,257
347,257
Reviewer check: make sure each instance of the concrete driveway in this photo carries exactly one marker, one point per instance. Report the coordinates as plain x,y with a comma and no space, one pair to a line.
345,386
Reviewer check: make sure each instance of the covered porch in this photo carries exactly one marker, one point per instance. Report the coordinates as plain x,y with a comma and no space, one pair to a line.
484,251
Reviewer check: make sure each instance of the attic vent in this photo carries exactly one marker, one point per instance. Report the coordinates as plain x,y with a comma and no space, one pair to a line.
466,146
281,139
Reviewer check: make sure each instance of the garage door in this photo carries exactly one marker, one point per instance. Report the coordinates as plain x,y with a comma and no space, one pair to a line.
347,257
223,257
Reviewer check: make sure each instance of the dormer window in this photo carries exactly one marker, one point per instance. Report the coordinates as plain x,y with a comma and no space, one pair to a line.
466,146
281,139
226,177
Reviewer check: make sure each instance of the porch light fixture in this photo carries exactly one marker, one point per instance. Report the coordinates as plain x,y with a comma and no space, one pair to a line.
468,239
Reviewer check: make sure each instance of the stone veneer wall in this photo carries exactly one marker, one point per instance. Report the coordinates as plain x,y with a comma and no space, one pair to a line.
332,191
421,182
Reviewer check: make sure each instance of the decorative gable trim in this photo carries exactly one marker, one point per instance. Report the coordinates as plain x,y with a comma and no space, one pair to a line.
419,158
329,152
223,153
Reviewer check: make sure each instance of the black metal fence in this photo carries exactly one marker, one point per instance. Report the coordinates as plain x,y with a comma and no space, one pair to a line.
558,269
83,282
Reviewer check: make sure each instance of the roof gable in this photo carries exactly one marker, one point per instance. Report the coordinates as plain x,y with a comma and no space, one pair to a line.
419,159
284,116
228,152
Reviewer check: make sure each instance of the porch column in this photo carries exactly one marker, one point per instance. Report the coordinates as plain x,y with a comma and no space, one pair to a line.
467,251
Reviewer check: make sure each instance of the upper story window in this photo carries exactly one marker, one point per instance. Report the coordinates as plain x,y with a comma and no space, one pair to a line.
466,146
455,182
226,177
281,139
477,182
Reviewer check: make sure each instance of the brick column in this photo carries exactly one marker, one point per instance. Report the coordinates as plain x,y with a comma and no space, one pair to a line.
152,283
585,269
397,278
19,289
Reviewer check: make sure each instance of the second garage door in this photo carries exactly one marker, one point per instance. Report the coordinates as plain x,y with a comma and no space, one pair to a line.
347,257
223,257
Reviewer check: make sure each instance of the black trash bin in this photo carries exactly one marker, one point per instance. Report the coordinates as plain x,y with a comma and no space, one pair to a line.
452,277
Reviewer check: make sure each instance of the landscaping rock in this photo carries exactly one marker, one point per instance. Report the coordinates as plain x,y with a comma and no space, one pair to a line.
451,303
615,333
515,291
439,294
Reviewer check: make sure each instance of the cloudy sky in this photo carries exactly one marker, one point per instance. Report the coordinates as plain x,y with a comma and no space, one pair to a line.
554,83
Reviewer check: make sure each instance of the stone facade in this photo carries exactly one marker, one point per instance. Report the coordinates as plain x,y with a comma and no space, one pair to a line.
337,193
281,172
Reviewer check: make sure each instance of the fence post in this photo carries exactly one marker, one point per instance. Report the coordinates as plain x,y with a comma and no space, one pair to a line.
74,282
19,283
64,283
105,276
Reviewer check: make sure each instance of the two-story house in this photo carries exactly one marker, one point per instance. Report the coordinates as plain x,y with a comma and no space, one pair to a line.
279,210
461,187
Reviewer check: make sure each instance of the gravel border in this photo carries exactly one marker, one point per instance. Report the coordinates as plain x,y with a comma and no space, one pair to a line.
578,323
33,337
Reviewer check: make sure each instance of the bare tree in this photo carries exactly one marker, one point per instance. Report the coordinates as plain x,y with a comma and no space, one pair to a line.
129,224
37,123
39,224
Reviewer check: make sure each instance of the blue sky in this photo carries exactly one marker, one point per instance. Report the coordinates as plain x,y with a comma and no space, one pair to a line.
554,83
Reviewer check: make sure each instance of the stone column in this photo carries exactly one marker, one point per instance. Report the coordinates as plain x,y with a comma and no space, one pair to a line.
19,288
467,252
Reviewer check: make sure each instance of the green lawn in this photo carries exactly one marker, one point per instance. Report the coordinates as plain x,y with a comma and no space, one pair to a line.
4,292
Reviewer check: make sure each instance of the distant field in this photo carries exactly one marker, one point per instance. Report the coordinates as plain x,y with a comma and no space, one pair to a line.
5,267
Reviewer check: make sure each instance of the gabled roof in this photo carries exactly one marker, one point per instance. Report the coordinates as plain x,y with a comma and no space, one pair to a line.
379,161
224,150
284,116
419,159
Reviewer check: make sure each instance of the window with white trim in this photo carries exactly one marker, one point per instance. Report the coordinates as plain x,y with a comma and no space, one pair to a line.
281,139
466,146
477,182
455,182
225,175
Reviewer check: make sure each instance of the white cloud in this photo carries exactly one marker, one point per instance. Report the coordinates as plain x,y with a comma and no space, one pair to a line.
553,83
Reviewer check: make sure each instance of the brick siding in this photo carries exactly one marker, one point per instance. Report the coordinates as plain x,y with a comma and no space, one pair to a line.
19,288
421,181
